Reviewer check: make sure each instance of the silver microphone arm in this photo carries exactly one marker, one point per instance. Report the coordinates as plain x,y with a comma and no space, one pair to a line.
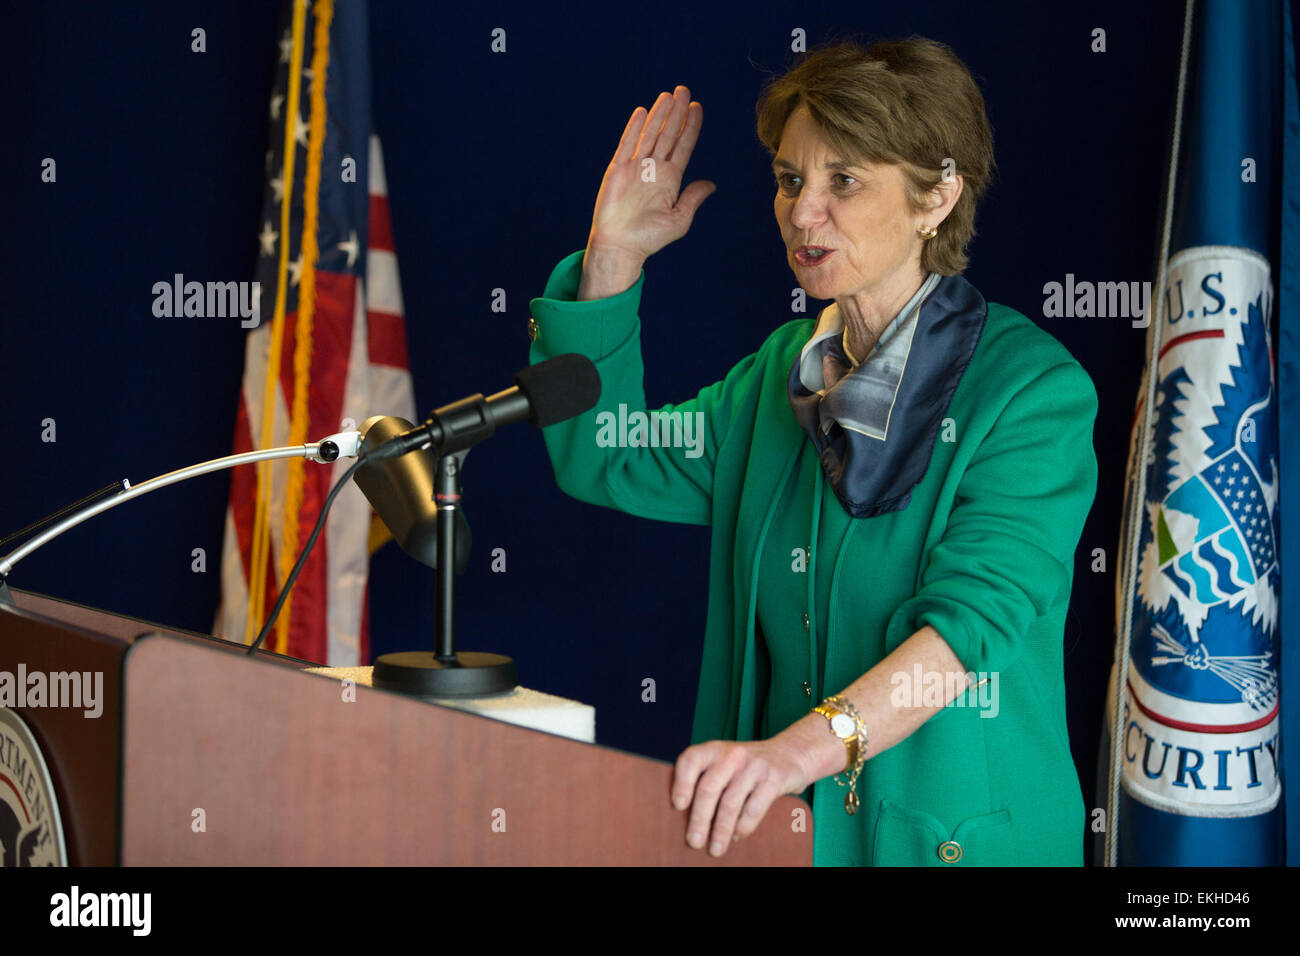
340,445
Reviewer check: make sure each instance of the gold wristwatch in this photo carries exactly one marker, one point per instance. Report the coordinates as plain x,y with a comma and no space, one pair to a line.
844,727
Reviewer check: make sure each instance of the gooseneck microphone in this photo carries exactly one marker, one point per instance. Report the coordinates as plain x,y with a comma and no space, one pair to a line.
420,502
544,394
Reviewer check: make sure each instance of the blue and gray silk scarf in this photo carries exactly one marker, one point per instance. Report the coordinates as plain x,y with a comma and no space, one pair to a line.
874,426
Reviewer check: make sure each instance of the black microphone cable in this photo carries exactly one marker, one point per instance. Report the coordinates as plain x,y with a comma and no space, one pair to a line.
306,550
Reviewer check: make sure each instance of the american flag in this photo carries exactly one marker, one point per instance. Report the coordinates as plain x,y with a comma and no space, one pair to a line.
332,329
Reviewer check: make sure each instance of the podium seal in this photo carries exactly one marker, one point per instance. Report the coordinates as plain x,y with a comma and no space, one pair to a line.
31,831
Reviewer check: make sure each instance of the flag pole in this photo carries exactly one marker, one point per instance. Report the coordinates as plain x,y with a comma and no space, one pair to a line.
261,540
1141,448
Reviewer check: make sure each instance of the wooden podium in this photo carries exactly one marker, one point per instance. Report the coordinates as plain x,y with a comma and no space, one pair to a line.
203,755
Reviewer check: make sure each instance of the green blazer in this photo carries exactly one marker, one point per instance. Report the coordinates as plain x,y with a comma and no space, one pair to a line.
984,553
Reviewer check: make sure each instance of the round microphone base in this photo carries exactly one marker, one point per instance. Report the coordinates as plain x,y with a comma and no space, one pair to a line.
420,673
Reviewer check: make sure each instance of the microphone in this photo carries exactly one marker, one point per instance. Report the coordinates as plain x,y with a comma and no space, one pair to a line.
400,485
419,498
546,393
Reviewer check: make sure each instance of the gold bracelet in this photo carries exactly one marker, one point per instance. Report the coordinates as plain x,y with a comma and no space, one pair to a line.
850,739
851,798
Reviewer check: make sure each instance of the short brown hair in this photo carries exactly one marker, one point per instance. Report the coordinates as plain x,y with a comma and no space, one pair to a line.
911,103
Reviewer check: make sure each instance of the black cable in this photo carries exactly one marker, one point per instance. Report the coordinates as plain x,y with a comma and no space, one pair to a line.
55,516
302,558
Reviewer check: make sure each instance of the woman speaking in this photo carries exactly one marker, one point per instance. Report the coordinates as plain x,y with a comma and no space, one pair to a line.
896,489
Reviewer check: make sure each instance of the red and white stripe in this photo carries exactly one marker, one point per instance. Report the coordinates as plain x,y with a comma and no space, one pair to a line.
359,368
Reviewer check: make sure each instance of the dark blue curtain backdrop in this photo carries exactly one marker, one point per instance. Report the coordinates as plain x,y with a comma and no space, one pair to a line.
494,160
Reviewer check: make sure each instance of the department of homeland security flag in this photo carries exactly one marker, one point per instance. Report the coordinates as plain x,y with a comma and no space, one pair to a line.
1288,429
332,354
1194,741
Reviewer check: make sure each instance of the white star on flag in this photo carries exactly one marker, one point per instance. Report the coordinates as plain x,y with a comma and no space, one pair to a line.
268,237
351,247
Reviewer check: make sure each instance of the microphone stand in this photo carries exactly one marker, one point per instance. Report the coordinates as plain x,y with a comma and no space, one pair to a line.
445,673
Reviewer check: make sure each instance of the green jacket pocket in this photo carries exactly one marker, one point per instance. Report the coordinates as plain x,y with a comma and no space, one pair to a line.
908,837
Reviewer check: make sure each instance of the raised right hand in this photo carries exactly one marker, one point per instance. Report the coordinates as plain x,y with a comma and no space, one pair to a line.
638,210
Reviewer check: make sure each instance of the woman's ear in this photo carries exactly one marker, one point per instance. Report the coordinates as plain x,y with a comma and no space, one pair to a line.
943,198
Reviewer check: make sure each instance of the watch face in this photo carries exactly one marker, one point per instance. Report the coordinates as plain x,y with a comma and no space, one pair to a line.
843,725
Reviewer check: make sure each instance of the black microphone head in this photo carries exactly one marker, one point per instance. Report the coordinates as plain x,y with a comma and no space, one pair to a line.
559,388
